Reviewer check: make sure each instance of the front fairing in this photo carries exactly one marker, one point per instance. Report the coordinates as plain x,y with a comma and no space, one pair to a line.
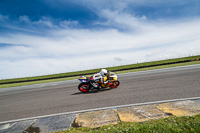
113,76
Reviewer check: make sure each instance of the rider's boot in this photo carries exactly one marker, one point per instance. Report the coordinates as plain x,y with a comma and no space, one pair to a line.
94,85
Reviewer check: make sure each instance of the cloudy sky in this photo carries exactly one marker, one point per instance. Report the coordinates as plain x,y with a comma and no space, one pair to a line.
40,37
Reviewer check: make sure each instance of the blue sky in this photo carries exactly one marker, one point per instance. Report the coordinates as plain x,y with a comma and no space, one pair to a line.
55,36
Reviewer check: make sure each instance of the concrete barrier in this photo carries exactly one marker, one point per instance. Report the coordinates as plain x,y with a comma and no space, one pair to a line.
180,108
140,113
105,116
96,118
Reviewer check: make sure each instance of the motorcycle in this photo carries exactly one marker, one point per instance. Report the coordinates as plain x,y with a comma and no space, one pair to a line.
85,85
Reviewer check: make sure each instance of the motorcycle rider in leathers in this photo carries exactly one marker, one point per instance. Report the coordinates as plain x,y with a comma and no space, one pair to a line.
99,77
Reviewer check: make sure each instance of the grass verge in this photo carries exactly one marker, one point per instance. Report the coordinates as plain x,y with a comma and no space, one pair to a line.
76,77
173,124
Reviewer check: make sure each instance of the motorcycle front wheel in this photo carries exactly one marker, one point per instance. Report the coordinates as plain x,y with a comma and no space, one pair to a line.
115,84
83,87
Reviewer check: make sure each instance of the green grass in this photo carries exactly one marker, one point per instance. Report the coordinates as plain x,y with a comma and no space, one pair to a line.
97,70
173,124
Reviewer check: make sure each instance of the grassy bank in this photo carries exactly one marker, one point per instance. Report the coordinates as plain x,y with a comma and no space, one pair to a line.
61,77
173,124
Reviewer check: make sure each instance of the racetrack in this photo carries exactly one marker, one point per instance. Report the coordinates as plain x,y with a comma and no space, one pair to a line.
138,87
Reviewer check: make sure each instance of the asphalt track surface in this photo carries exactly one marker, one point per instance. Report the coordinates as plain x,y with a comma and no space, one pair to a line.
64,96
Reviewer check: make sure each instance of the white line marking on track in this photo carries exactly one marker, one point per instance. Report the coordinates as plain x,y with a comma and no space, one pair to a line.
103,108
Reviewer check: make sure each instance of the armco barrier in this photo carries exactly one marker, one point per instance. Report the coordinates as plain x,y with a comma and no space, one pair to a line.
131,68
105,116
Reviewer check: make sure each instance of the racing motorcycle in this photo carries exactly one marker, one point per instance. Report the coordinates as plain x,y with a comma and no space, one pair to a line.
85,85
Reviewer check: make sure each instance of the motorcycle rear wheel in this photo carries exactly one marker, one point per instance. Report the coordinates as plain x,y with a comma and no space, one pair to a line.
83,87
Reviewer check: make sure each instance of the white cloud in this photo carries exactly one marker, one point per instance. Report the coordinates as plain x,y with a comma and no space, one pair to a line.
25,24
44,21
3,18
66,23
121,19
65,49
24,19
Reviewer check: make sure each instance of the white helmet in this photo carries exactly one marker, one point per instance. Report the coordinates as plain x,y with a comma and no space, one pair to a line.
104,72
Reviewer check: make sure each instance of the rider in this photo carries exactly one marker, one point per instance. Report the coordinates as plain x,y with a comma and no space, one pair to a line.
99,77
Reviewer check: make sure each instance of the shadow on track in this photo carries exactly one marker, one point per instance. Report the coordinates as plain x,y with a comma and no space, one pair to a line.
93,91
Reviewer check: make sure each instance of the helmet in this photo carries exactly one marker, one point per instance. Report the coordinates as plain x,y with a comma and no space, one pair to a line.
104,72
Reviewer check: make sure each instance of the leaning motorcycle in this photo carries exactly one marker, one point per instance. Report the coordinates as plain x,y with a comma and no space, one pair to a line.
85,85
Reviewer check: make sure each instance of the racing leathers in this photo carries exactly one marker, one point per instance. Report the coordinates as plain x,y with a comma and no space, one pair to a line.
96,78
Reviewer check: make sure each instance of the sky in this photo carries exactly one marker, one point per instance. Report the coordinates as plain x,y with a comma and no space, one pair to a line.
41,37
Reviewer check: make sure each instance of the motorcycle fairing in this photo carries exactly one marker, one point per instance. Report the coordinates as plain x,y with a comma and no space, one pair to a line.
83,79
